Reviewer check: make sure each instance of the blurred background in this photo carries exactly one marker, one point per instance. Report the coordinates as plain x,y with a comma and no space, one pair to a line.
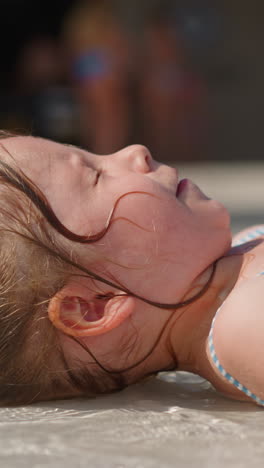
184,77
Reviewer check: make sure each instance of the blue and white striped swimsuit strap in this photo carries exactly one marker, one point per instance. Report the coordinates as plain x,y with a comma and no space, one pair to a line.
251,235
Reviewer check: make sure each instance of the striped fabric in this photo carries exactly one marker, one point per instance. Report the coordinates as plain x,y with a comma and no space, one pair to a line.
226,374
251,235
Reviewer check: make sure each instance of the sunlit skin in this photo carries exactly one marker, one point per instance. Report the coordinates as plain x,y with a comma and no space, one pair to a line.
161,245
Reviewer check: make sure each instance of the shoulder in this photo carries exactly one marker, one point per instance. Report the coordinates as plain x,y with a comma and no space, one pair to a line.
237,335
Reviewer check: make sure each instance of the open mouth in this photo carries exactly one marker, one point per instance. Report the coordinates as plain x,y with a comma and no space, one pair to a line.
181,186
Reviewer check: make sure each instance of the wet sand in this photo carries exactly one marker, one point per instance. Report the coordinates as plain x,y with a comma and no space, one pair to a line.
171,421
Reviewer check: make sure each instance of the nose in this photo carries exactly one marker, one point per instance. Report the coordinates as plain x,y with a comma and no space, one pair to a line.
136,158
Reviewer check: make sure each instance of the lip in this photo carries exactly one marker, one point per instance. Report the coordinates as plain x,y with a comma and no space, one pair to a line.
187,189
182,185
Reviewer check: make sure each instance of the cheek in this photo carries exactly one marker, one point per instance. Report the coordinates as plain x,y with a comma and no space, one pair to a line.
152,247
130,201
145,233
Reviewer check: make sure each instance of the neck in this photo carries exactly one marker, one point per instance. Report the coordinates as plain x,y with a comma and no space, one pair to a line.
191,325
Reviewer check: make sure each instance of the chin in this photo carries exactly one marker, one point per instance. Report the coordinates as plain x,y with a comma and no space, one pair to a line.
225,241
223,233
221,215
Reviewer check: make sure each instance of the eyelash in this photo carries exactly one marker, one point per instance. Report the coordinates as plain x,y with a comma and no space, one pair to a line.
97,177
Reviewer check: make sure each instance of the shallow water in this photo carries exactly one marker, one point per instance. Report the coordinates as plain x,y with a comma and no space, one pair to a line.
174,420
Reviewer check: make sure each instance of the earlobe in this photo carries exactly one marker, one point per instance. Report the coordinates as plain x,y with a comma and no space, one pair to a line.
84,316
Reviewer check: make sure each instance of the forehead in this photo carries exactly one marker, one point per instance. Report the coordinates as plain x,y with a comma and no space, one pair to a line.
42,161
34,153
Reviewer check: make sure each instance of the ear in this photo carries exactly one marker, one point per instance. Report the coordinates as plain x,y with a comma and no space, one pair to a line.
77,312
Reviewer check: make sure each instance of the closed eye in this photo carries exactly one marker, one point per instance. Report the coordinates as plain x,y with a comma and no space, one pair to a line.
98,173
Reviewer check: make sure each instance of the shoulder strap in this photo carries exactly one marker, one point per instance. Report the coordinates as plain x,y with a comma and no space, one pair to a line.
226,374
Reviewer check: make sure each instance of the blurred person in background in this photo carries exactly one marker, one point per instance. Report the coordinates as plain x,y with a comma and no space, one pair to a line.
173,97
38,64
97,52
47,107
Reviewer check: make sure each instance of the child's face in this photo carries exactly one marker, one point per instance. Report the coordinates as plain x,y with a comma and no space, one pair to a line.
156,236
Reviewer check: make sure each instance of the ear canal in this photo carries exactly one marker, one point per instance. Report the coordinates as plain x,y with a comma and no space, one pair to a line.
78,309
77,313
76,316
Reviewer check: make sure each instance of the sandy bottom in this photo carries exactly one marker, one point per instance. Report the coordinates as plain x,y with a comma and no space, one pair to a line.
174,420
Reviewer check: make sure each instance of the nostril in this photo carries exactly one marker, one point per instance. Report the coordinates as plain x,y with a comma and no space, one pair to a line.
148,160
142,162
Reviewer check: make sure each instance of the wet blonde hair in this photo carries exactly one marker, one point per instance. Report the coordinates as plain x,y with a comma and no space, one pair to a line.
34,266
